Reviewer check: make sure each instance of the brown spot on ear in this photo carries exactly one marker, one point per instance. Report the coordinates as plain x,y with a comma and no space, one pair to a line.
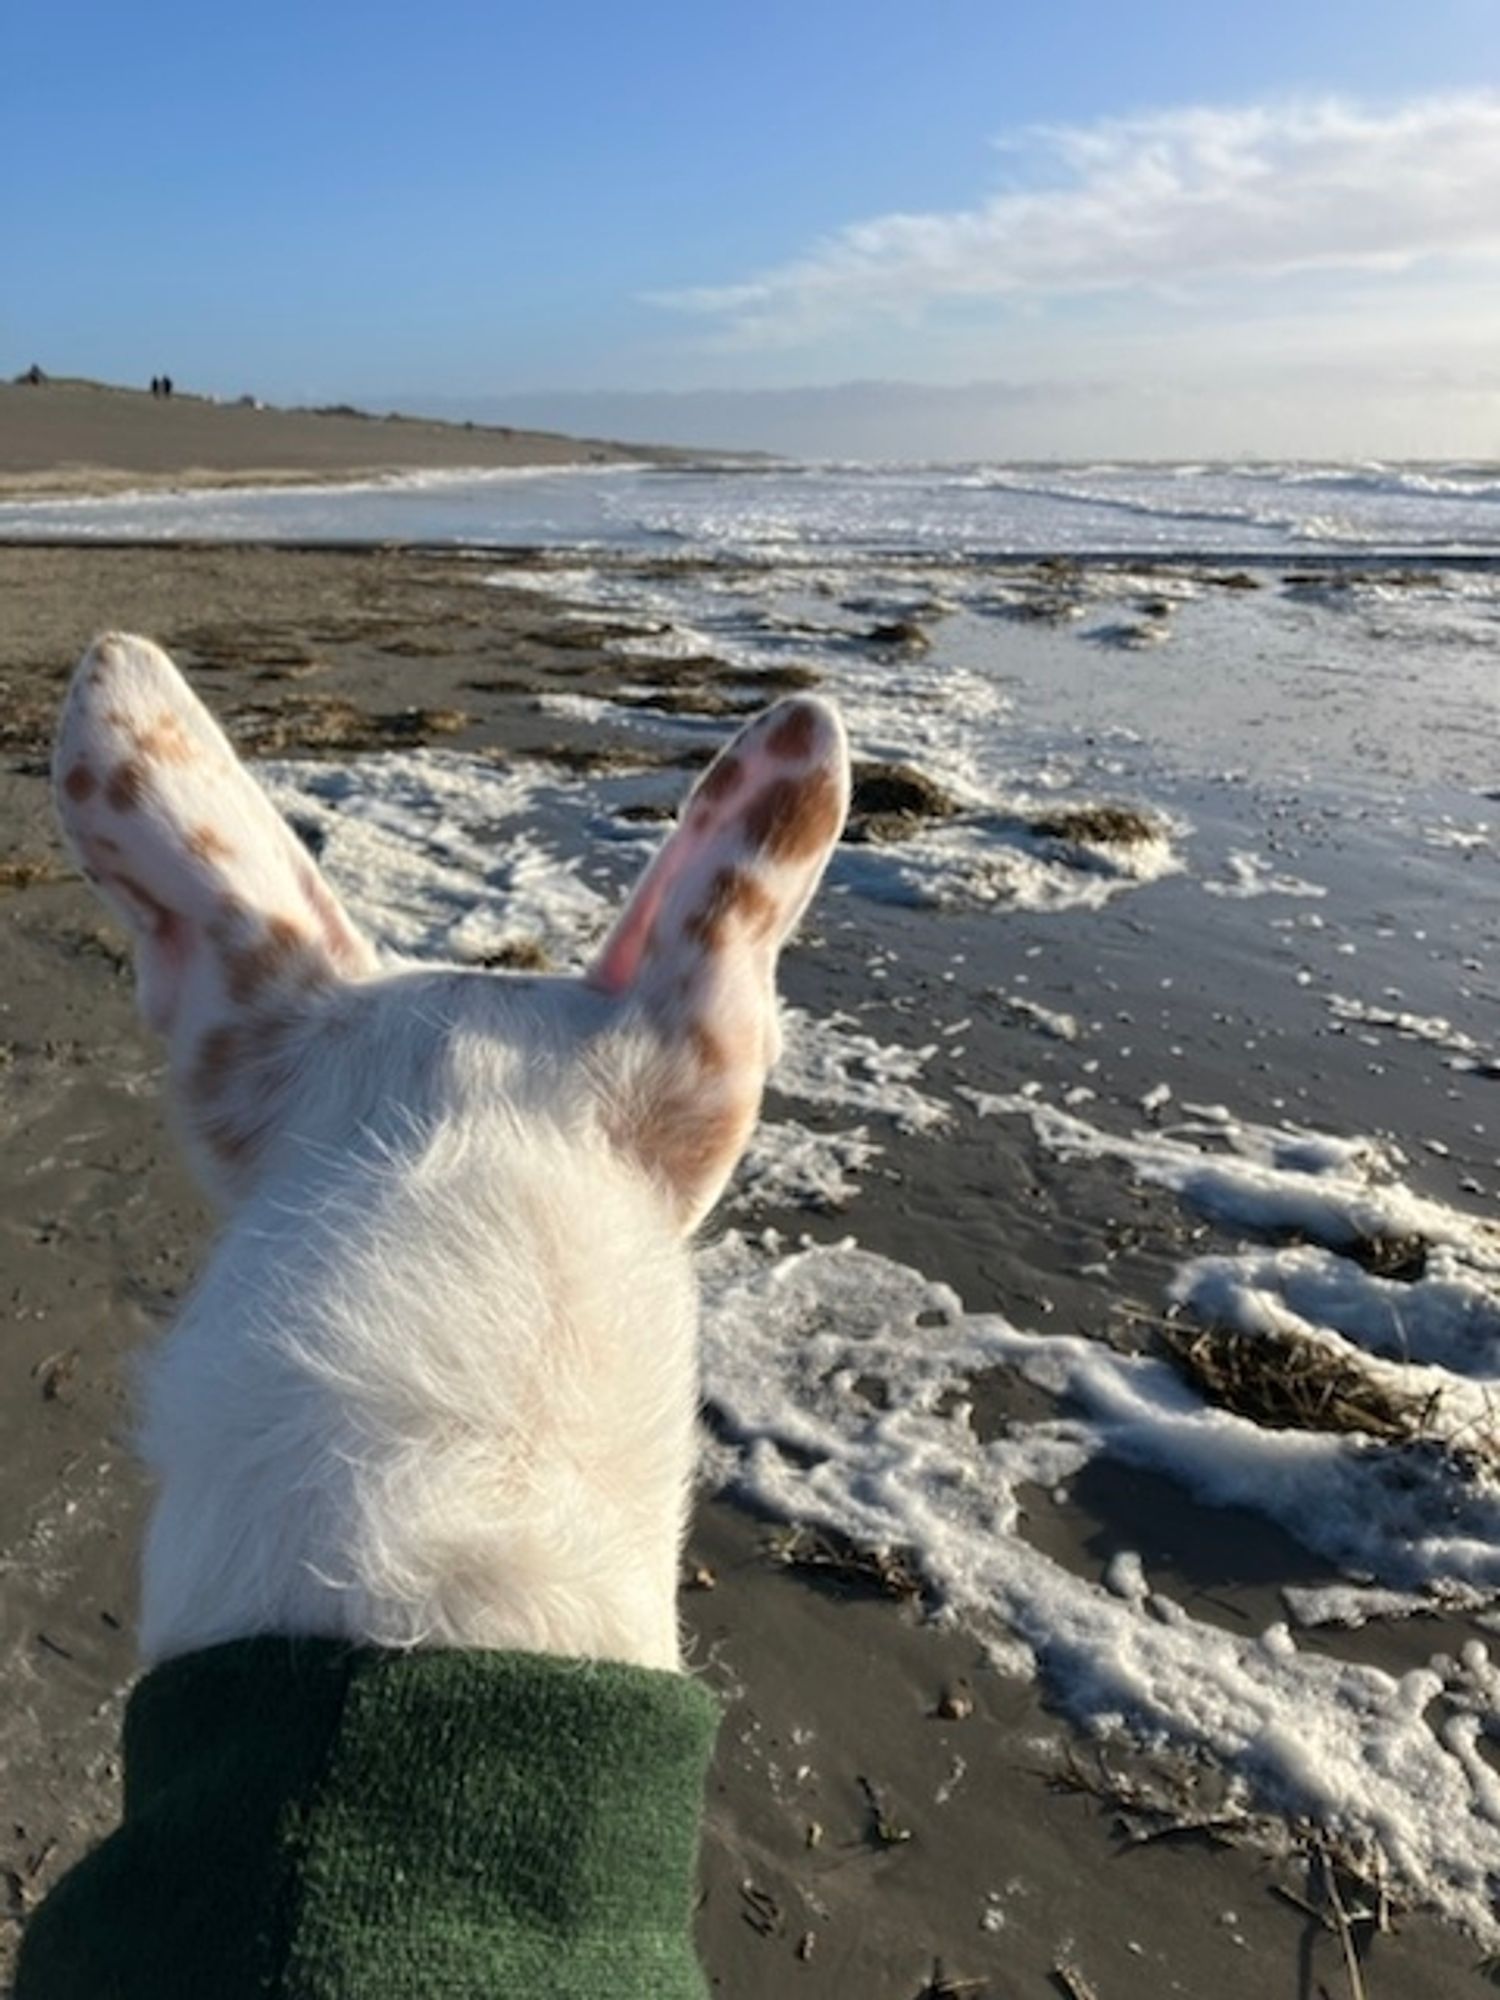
208,845
232,927
225,1051
127,784
283,951
689,1140
707,1048
166,742
757,907
98,850
794,817
149,908
721,778
80,783
706,926
733,896
793,735
228,1141
218,1055
237,1085
687,1115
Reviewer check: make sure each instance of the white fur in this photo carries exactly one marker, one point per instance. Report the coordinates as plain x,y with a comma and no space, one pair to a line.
437,1385
438,1382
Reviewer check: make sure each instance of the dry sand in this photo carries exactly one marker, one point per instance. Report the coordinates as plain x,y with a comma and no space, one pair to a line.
861,1844
82,437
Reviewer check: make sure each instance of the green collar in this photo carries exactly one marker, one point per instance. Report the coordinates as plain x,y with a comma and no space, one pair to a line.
313,1821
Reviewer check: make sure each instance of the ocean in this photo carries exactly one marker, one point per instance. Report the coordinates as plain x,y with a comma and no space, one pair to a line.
796,513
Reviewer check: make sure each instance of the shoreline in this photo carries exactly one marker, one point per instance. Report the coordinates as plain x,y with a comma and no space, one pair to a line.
85,483
1139,562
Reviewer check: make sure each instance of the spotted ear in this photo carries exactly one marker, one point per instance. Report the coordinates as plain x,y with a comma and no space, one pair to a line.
697,944
227,911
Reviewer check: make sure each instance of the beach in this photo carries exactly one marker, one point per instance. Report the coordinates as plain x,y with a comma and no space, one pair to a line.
1147,1014
71,437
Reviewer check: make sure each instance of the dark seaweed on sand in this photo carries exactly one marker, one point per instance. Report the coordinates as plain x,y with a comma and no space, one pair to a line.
830,1558
1289,1381
1098,826
894,801
25,871
330,722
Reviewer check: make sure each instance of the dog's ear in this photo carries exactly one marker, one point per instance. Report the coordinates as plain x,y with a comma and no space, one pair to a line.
228,913
697,944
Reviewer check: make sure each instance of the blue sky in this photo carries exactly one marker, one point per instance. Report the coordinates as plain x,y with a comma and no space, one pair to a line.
1128,224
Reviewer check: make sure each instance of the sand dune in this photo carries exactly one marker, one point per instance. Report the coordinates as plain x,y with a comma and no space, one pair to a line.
84,437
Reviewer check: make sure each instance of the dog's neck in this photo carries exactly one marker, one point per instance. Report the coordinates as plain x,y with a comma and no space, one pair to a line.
440,1393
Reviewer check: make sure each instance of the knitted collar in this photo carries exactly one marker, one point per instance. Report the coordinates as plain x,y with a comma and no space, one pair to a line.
306,1820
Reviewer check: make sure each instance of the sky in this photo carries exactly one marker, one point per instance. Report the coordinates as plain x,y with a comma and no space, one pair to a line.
845,227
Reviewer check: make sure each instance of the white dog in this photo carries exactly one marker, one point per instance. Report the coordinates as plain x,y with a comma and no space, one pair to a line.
437,1386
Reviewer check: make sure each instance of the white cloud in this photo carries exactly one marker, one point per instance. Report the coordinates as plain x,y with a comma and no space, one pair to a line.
1170,200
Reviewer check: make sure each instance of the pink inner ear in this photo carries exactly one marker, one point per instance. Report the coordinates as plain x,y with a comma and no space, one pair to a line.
346,947
161,971
618,965
164,945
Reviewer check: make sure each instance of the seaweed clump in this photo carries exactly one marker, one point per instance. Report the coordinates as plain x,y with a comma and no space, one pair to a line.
1289,1381
1098,826
516,954
894,801
832,1559
329,722
25,871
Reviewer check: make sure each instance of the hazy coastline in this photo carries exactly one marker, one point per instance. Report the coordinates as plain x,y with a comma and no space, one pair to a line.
62,438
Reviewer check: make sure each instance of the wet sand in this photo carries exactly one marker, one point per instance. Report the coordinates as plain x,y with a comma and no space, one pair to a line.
888,1816
82,437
